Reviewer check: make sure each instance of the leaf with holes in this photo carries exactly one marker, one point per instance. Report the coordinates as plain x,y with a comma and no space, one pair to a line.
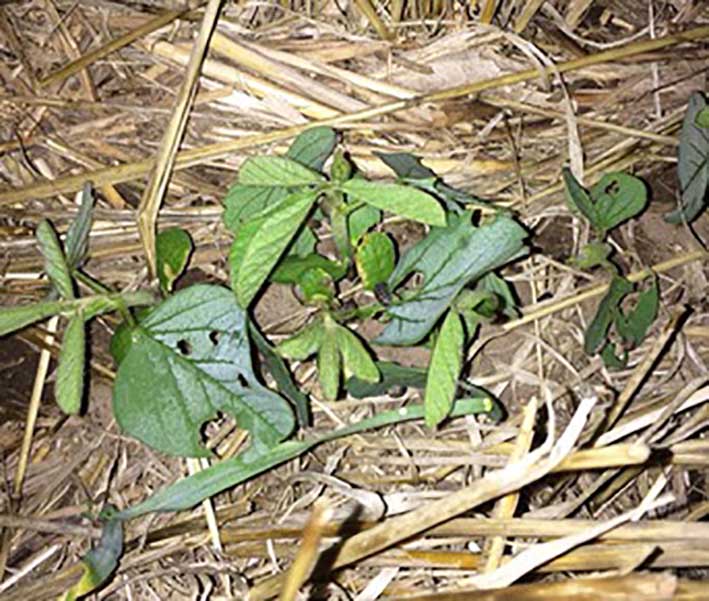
260,243
448,258
444,369
173,248
692,164
188,360
405,201
617,197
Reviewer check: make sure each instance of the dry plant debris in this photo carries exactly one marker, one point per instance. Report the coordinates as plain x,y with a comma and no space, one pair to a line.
593,486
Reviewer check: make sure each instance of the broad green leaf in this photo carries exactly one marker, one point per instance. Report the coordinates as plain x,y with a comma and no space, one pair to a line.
243,203
173,248
444,369
329,362
277,171
100,562
15,318
281,375
188,492
634,326
317,286
578,198
448,258
617,197
259,244
409,169
375,257
356,360
304,343
54,260
291,268
405,201
692,164
393,377
360,220
77,236
189,359
69,384
313,147
608,310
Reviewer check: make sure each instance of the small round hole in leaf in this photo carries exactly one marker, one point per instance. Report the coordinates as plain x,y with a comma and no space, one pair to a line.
184,347
214,337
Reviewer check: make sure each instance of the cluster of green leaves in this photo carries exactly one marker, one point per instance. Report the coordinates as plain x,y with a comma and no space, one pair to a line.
616,198
62,264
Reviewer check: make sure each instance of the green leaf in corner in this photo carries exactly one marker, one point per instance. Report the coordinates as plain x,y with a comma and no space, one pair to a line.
444,369
69,384
77,236
189,359
173,248
277,171
692,163
617,197
405,201
356,360
375,258
607,313
100,562
54,260
448,258
328,362
260,243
